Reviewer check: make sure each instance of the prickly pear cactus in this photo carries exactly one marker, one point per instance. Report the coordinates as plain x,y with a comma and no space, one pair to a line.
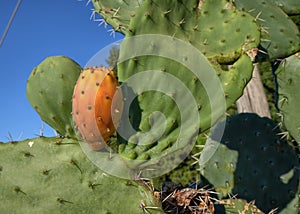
253,163
49,91
288,79
199,26
49,175
280,36
92,104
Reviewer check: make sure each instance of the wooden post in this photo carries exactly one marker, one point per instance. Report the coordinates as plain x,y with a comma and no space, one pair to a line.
254,98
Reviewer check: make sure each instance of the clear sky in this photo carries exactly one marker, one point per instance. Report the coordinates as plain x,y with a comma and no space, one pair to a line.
39,29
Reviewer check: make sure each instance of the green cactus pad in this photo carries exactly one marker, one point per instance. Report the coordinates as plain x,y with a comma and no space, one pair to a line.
280,36
252,163
49,175
288,79
205,96
165,40
236,206
49,90
217,29
117,13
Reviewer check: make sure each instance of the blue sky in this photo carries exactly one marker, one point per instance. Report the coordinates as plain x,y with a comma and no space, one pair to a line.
41,29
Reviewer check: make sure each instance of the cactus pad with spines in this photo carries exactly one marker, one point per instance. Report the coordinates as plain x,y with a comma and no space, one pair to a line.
288,79
217,29
253,163
197,27
280,36
49,91
150,102
49,175
117,13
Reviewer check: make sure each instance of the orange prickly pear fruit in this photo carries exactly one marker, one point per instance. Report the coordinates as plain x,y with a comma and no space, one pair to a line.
92,105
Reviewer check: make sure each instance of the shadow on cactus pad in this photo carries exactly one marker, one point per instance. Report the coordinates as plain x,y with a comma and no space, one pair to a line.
253,163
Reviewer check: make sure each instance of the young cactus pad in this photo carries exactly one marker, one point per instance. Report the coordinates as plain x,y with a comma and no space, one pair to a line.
252,163
92,105
288,79
49,90
49,175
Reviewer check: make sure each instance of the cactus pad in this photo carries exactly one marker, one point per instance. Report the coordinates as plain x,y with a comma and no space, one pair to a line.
49,91
165,55
280,36
253,163
217,29
48,175
117,13
288,79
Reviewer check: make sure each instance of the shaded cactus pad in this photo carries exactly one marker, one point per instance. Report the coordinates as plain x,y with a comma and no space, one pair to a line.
253,163
49,175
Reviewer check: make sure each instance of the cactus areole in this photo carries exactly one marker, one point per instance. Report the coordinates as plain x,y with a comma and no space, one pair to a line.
92,105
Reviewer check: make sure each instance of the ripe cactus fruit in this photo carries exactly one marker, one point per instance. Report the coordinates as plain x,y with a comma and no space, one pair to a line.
92,102
49,90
